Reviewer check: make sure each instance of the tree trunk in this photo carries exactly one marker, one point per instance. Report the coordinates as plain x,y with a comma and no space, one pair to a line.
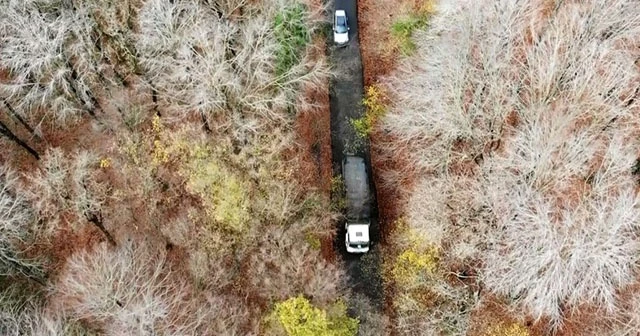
96,219
20,119
205,123
93,101
4,130
154,98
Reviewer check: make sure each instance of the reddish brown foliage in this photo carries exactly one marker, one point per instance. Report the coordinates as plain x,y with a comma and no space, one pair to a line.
375,18
313,133
66,242
492,312
314,150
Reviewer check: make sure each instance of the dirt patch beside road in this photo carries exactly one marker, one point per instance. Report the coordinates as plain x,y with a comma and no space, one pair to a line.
375,20
380,50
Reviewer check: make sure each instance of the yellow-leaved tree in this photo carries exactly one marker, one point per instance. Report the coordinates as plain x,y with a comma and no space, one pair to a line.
296,316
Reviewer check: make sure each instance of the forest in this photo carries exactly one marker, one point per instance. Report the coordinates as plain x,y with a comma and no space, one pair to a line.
166,168
156,177
511,140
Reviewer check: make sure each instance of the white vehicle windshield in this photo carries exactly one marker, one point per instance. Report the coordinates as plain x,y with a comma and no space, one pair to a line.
341,24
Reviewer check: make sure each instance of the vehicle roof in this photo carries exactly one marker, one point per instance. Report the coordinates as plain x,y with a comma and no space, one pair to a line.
340,12
356,183
358,233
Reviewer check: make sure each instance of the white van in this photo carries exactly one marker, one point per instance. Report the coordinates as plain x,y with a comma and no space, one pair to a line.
356,181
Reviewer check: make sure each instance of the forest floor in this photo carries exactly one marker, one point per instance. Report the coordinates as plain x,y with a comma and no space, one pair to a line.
380,53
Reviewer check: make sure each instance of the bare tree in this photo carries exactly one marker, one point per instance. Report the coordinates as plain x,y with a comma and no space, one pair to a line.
177,48
304,271
132,290
16,222
24,312
528,114
547,252
32,48
212,62
562,192
446,96
67,184
123,291
62,54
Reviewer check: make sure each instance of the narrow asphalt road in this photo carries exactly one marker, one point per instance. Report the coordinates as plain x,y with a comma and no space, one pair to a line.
346,92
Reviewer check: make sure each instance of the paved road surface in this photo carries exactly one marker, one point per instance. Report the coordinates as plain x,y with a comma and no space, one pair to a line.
346,97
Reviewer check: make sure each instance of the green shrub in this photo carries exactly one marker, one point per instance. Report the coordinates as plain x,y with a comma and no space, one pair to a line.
292,35
402,29
362,126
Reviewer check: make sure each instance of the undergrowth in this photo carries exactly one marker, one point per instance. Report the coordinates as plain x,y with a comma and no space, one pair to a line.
504,329
426,303
224,193
374,110
292,36
403,28
338,194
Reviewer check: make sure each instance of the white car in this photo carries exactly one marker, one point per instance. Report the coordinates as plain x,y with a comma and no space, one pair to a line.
340,27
